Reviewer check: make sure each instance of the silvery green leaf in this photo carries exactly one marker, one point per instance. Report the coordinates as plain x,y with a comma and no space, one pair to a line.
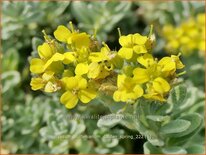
109,141
196,149
158,118
153,138
178,95
150,149
195,121
129,121
109,120
175,126
114,107
174,150
9,80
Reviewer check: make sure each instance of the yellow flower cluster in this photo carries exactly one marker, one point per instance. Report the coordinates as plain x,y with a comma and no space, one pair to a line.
188,37
75,65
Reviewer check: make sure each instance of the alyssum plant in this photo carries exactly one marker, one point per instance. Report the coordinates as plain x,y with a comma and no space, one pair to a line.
130,81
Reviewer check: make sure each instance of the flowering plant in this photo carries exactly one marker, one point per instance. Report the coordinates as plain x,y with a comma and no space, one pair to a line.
76,65
130,81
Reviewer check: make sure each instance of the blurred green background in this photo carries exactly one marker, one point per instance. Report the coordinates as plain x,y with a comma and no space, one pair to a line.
32,121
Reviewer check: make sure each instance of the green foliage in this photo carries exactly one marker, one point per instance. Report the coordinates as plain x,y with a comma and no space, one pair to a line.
102,17
167,128
32,123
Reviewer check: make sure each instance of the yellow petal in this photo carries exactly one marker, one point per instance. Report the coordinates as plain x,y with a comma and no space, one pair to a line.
120,80
138,91
86,95
126,53
179,64
160,85
117,96
103,73
37,83
69,82
45,51
81,69
154,96
140,75
139,39
146,60
82,82
69,99
167,64
68,57
62,33
94,70
128,96
126,41
36,66
140,49
56,57
96,57
80,40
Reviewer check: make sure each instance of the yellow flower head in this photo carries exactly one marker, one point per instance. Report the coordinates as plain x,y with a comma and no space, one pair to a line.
75,39
128,89
47,82
77,88
157,89
188,37
132,43
156,73
49,59
78,67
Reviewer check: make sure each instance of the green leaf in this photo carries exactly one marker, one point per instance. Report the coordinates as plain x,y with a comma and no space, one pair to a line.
150,149
109,120
97,15
175,126
174,150
196,149
108,101
129,121
10,60
153,138
158,118
178,95
195,121
9,80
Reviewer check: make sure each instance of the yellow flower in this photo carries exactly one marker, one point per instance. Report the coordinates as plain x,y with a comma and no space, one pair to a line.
77,88
166,67
47,82
46,50
132,43
157,89
97,70
77,40
155,74
101,63
169,65
188,37
128,89
49,59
